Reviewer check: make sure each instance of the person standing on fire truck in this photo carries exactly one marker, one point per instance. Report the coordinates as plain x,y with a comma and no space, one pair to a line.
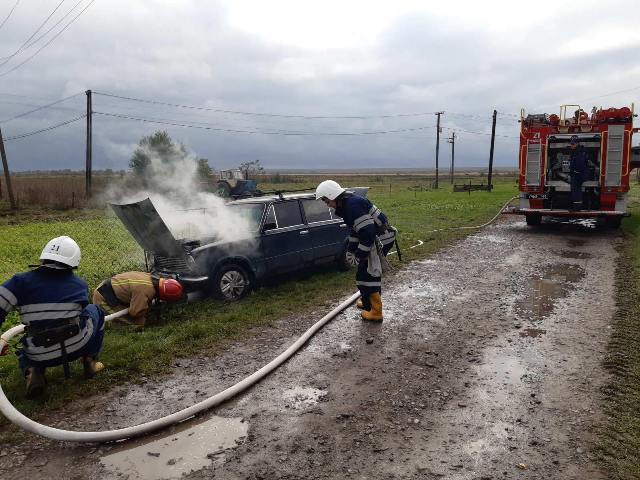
370,240
578,166
136,291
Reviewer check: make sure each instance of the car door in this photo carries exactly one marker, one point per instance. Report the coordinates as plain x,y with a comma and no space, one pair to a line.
328,232
286,241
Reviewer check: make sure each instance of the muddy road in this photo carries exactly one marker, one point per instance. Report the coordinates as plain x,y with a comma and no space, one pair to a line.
487,366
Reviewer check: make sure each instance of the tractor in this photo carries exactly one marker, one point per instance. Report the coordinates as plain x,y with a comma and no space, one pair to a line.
232,183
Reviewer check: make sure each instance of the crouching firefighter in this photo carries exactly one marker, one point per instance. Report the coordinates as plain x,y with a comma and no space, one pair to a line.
60,324
370,239
136,291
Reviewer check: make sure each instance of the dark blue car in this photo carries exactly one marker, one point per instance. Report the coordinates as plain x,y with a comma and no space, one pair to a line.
290,232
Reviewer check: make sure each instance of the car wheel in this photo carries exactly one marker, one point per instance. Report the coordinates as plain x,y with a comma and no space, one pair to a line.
231,283
613,222
348,261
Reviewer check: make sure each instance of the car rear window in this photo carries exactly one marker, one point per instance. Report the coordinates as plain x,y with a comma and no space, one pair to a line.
316,211
288,214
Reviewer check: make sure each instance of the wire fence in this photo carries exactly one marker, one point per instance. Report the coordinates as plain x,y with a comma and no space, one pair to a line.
107,248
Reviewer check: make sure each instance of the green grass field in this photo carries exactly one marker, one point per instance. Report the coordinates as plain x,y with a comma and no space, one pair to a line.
185,330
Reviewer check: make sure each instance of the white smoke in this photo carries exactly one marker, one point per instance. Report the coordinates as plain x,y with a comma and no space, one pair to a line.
176,191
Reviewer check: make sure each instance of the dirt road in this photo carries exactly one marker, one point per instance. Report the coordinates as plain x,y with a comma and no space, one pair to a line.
487,366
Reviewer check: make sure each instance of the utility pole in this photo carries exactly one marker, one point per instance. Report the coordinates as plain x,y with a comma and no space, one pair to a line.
88,156
493,139
7,175
452,141
437,145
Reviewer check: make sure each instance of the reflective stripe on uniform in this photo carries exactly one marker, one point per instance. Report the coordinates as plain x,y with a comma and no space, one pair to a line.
41,354
128,282
387,237
353,239
369,284
7,299
362,222
48,311
363,248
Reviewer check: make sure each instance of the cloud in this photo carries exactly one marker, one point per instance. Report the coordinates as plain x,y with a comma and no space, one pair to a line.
369,59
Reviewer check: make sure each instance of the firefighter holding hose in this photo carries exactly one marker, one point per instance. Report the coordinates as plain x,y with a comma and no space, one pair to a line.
136,291
371,237
60,324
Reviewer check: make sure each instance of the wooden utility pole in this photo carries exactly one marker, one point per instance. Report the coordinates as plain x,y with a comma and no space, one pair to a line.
7,175
88,156
452,141
437,146
493,139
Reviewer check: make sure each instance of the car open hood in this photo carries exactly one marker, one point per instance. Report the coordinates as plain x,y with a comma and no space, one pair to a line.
145,225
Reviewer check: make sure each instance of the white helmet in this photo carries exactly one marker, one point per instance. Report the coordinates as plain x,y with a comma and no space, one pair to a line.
329,189
63,250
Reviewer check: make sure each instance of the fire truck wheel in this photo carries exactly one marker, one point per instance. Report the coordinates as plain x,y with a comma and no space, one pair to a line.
613,222
533,219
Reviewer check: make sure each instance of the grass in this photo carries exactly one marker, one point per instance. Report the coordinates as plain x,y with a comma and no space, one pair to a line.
619,437
188,329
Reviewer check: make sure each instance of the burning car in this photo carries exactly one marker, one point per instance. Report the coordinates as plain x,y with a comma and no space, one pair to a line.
287,233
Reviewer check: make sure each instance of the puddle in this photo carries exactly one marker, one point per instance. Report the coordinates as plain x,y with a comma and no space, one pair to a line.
186,449
555,283
574,254
532,332
574,242
300,398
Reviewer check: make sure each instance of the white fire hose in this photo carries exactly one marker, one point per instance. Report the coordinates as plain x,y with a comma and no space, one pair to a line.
17,418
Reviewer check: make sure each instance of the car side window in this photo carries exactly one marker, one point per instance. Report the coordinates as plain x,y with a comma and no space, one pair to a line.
316,211
270,219
288,214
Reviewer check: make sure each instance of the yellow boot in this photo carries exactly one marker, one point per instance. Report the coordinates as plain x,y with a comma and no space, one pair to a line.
375,314
359,304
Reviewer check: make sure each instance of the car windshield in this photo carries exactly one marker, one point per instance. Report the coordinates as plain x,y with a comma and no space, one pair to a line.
251,212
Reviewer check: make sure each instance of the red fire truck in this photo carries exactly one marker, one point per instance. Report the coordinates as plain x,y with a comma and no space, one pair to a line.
545,161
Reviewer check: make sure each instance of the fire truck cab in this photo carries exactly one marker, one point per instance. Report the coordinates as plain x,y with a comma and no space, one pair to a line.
551,183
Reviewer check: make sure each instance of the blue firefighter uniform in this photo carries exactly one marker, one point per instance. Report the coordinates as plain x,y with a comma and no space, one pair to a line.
366,222
578,165
54,306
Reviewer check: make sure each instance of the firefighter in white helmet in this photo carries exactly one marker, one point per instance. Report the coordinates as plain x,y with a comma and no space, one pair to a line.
60,324
370,239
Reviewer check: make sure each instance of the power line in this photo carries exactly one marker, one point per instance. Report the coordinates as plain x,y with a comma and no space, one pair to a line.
10,13
257,114
6,59
57,125
49,42
259,132
40,108
476,133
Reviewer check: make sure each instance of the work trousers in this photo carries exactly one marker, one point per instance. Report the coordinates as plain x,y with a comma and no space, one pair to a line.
576,191
91,313
366,283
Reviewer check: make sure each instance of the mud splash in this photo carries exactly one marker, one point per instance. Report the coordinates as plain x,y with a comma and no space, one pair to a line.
186,449
300,398
555,283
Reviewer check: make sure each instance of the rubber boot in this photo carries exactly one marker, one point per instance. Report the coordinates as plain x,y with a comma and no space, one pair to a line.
375,314
35,382
359,304
91,367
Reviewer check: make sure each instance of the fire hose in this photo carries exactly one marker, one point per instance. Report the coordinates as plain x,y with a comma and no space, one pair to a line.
17,418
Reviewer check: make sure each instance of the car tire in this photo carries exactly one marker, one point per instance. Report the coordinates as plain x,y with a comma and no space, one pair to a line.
613,222
348,261
231,283
223,189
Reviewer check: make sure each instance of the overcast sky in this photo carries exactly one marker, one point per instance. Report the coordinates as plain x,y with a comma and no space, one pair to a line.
291,61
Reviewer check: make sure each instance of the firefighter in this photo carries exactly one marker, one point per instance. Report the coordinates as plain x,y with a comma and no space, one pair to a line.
578,166
136,291
370,239
60,324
